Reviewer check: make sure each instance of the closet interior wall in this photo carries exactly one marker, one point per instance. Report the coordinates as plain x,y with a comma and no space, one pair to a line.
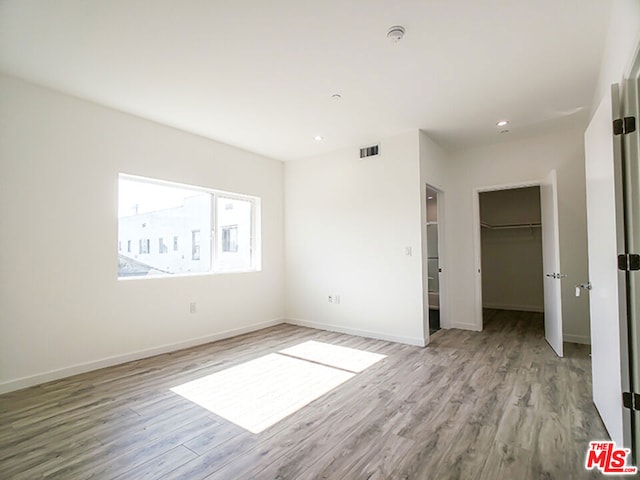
511,238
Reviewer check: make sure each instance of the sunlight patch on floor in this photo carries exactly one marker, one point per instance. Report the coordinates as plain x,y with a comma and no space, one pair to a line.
259,393
345,358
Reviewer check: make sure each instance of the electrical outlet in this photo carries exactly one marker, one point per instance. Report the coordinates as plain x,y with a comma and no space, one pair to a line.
330,299
192,307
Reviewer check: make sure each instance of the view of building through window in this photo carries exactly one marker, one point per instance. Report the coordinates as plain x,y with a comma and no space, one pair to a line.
182,230
234,232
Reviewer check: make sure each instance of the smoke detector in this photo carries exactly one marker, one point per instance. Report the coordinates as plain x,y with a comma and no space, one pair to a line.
396,33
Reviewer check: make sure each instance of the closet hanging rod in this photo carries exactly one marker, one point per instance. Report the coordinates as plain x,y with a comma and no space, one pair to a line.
509,225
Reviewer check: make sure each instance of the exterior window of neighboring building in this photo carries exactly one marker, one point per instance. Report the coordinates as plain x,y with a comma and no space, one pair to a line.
230,238
195,245
236,232
162,247
223,228
144,245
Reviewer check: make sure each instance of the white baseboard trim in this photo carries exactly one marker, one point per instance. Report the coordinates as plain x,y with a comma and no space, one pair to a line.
520,308
570,338
30,381
466,326
416,341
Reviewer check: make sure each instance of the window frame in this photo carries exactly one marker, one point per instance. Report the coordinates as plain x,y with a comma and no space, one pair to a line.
255,228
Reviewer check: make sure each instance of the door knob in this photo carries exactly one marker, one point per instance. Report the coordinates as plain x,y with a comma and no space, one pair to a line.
586,286
552,275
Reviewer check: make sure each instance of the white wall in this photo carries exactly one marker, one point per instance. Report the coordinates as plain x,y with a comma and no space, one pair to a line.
510,163
512,276
623,38
62,308
348,221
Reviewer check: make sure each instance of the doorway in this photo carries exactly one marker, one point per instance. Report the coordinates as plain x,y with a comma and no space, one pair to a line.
434,268
539,220
511,250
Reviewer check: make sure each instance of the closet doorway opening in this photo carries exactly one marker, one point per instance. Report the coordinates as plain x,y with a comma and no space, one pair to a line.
511,253
517,246
434,255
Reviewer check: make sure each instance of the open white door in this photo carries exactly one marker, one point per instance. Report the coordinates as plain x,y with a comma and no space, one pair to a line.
551,262
631,159
609,361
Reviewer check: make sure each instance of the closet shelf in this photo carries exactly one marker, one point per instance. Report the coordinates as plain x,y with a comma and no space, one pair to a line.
509,225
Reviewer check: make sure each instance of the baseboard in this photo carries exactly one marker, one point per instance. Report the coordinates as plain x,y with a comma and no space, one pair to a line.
416,341
518,308
30,381
583,339
466,326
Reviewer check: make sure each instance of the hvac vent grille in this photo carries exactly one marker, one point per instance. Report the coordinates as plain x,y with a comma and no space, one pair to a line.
369,151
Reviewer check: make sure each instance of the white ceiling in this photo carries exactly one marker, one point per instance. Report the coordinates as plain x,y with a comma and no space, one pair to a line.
259,74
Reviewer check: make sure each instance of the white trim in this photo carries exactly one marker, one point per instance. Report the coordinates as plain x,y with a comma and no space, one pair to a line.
466,326
40,378
570,338
518,308
416,341
477,268
213,238
443,304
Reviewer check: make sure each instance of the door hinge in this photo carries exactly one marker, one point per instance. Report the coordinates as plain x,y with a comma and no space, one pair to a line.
631,400
624,125
628,262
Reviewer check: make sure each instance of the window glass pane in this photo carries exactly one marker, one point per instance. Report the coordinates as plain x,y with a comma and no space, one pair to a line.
235,234
152,212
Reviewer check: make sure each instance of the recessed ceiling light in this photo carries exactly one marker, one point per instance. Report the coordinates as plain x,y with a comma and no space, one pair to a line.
318,138
396,33
502,123
429,198
336,96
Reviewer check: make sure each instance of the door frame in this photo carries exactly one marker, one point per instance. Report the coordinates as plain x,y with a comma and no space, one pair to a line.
477,242
442,261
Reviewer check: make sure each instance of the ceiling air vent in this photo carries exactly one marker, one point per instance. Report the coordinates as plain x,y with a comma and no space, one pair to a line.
369,151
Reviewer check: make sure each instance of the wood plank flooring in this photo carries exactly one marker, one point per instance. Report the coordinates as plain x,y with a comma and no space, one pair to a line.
491,405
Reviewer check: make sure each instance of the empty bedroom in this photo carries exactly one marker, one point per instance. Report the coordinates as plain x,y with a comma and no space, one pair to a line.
271,240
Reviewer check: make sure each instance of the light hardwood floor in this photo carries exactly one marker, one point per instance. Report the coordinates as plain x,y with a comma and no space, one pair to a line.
491,405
